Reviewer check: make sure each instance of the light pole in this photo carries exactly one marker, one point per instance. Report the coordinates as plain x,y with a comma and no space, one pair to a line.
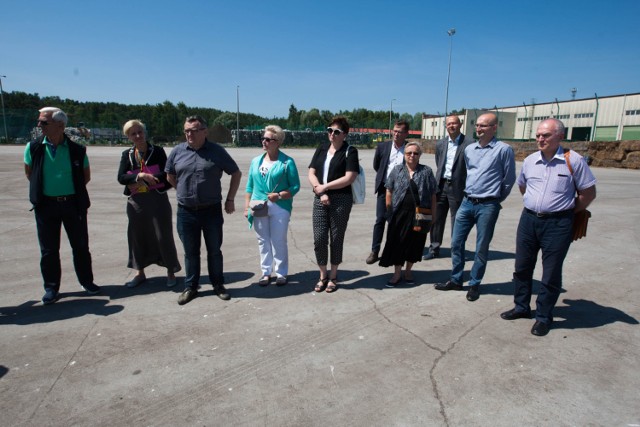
390,114
4,115
451,32
238,115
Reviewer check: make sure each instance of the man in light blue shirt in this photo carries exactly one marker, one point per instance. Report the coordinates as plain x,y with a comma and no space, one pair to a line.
555,185
491,173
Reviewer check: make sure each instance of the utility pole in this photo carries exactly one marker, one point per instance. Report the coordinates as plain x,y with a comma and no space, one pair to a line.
4,115
238,115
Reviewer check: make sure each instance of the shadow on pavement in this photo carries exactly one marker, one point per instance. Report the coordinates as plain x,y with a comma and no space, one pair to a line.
32,312
583,314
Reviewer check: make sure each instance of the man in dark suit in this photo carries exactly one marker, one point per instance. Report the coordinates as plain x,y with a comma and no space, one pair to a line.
451,177
388,155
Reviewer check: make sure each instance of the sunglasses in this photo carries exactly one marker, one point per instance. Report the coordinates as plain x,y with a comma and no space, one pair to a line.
189,131
43,122
411,153
332,131
264,138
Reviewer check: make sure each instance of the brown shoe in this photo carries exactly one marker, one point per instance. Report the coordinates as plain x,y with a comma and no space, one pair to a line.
372,258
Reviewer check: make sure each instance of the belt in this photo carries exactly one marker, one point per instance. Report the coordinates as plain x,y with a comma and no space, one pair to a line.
476,200
549,214
447,181
196,208
66,198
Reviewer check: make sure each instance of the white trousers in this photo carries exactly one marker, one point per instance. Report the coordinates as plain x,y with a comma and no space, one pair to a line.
271,231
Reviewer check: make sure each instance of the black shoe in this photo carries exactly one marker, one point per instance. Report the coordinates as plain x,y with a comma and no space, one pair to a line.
91,288
473,293
221,292
449,286
391,284
540,329
50,296
372,258
513,314
431,254
187,295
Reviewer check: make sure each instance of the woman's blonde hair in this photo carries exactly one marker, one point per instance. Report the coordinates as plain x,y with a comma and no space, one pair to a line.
131,123
277,130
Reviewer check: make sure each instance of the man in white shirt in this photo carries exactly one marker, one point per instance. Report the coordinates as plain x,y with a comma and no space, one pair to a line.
388,155
451,177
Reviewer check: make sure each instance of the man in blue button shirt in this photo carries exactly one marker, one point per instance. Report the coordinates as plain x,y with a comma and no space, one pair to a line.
194,169
549,185
491,172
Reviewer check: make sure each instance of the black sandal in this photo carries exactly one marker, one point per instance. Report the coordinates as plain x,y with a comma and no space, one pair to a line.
321,285
333,285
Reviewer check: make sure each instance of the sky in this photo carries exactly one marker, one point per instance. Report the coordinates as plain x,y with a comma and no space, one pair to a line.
331,55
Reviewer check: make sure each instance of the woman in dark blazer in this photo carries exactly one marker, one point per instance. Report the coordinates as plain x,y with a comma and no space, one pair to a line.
333,168
150,231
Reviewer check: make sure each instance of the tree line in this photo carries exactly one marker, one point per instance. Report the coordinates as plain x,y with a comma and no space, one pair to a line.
165,120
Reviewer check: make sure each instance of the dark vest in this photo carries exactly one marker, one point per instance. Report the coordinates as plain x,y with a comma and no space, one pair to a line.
77,154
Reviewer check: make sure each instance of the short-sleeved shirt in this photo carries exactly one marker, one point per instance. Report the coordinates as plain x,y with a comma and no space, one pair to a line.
550,186
57,178
340,164
198,172
491,170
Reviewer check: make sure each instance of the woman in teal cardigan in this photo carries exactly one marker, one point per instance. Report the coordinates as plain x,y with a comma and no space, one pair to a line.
273,177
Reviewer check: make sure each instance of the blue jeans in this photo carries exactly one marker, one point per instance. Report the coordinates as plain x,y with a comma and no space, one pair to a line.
484,216
192,224
553,237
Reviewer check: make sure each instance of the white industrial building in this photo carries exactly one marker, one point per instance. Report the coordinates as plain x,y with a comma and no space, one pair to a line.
608,118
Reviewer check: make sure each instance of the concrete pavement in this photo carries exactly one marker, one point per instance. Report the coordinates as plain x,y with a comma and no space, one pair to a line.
363,356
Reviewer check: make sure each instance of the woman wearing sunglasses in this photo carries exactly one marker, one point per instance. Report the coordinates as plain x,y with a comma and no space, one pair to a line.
333,168
410,188
150,231
273,178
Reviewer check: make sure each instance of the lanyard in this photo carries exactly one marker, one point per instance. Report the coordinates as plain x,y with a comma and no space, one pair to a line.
140,160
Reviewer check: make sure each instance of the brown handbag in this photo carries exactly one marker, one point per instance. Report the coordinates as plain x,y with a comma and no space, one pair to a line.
580,219
580,222
422,220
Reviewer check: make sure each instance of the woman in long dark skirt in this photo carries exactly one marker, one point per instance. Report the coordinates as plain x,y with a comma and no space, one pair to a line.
409,186
150,231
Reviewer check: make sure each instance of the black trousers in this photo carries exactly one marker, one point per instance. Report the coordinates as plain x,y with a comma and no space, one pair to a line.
381,220
446,202
50,216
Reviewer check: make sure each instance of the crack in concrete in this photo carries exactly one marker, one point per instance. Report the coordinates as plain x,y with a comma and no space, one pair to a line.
442,353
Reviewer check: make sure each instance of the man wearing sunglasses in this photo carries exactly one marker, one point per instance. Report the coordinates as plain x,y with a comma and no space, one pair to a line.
491,173
58,172
194,169
388,154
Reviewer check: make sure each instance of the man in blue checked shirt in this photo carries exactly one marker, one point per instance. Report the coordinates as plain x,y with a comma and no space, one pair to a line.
491,172
549,186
